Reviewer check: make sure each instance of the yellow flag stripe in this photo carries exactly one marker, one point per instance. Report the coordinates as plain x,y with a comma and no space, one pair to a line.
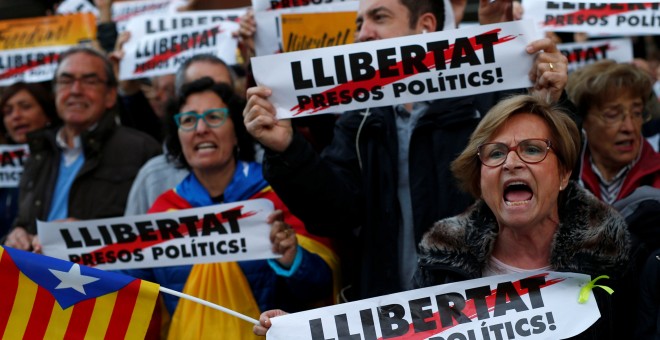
59,319
143,310
20,312
98,323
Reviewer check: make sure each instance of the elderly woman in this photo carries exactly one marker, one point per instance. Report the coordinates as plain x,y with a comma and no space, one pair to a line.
26,107
611,98
528,215
209,138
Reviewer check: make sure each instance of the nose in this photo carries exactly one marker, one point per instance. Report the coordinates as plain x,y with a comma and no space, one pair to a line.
628,123
76,86
201,127
512,161
366,32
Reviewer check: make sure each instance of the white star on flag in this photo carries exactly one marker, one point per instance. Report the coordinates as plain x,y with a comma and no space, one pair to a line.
73,279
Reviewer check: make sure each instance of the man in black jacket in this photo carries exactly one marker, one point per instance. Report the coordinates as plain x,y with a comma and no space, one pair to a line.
83,169
385,177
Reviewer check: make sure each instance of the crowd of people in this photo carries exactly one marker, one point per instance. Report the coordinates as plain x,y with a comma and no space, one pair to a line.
560,176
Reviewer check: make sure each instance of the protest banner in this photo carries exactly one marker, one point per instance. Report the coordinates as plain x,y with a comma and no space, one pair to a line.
408,69
30,65
145,25
122,11
617,17
541,305
11,164
55,30
77,6
266,5
161,53
268,38
221,233
304,31
581,54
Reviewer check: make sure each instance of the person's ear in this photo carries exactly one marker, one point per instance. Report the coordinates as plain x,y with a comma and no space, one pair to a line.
427,23
563,180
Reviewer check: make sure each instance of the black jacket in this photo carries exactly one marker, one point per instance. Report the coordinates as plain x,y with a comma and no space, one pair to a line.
592,239
335,197
113,156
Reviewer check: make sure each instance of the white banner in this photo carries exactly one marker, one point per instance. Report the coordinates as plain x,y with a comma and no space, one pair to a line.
612,17
267,38
408,69
11,164
77,6
145,25
221,233
162,53
30,65
122,11
581,54
541,305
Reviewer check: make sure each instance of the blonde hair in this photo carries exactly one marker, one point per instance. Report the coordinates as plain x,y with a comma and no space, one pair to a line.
564,137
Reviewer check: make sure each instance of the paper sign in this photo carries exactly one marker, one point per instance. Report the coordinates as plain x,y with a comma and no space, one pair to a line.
53,30
77,6
266,5
267,39
400,70
541,305
11,164
30,65
144,25
613,17
581,54
122,11
304,31
162,53
221,233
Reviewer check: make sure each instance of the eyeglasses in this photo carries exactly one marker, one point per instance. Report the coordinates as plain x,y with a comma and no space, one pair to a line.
187,121
614,115
530,151
87,82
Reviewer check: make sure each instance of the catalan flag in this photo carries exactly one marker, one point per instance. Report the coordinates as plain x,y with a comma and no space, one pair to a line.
46,298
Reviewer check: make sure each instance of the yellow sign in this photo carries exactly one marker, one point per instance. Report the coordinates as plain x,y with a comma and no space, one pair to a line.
54,30
305,31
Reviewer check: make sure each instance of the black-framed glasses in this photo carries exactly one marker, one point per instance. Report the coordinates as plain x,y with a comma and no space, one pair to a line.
89,81
187,121
529,151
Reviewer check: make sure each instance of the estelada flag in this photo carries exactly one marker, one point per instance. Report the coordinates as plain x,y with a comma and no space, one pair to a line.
46,298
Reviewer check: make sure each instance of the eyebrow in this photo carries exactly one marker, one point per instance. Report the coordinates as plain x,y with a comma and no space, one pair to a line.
86,75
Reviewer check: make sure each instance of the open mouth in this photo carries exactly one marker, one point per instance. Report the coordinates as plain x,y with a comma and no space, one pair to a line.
204,146
517,193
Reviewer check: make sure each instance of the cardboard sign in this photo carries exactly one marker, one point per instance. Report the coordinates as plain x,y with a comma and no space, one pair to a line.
221,233
30,65
268,38
304,31
581,54
612,17
266,5
400,70
77,6
11,164
541,305
54,30
162,53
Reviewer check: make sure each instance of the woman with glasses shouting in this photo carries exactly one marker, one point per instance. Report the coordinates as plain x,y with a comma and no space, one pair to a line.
208,137
528,216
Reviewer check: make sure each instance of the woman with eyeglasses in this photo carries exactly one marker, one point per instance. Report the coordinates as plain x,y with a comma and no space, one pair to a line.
611,98
528,216
208,137
620,167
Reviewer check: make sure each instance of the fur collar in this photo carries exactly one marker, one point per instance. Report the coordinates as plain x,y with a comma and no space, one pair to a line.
592,237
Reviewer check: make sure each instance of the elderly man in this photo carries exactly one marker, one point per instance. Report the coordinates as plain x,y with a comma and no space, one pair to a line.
84,169
385,177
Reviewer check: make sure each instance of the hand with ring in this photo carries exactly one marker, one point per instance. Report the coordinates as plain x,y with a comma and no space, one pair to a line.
282,238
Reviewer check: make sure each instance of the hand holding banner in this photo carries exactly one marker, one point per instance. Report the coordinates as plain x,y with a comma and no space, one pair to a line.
400,70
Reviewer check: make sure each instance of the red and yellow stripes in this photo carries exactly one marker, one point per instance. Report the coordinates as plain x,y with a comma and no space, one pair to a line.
29,311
